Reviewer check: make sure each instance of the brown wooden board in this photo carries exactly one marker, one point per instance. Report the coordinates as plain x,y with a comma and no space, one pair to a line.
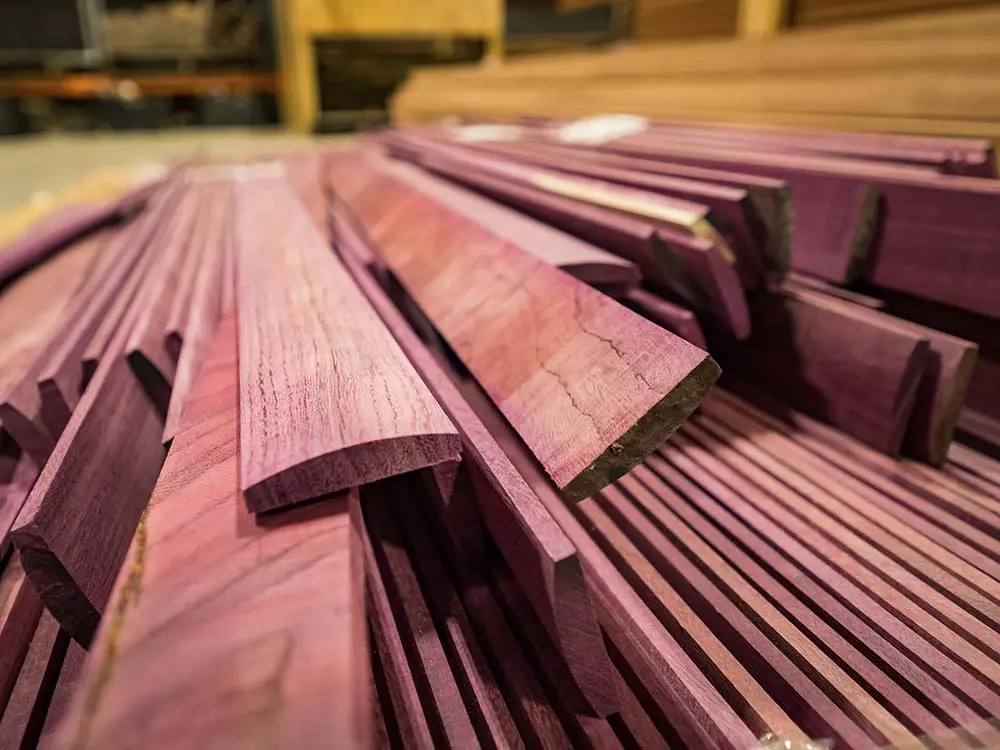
314,354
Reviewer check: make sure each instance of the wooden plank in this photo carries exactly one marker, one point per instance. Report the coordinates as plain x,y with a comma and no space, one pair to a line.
731,209
311,359
20,611
674,318
542,558
74,529
693,268
583,436
269,638
800,281
24,716
13,493
699,714
581,260
149,357
701,506
836,362
69,676
201,314
859,598
31,311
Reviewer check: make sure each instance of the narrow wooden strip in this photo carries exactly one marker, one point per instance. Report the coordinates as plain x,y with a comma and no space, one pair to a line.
274,631
12,497
494,723
845,709
189,269
674,318
201,314
857,602
977,463
451,723
149,358
836,362
314,354
24,717
678,515
541,337
873,535
799,281
69,676
978,430
779,441
20,610
642,727
731,210
74,529
411,721
542,558
33,327
583,728
582,260
700,715
687,261
748,697
61,380
955,631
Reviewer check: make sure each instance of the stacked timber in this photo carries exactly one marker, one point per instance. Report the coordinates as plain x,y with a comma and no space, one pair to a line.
415,444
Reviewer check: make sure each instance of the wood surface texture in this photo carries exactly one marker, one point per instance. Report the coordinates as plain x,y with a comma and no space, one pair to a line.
693,267
20,611
800,281
75,527
542,558
266,643
315,355
582,260
582,436
674,318
841,363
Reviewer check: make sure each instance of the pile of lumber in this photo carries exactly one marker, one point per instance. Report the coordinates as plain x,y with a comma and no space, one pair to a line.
414,443
930,74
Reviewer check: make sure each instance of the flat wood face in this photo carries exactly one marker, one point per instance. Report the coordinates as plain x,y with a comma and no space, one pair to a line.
315,356
247,622
544,346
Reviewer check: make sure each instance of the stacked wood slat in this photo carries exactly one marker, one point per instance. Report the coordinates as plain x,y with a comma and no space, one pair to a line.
359,449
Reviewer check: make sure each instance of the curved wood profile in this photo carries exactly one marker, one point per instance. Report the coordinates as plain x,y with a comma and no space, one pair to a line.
328,401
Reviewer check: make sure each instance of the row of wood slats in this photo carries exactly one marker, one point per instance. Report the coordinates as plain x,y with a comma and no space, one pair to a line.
345,378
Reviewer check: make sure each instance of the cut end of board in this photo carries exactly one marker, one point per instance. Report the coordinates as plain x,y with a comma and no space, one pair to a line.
652,430
350,467
56,588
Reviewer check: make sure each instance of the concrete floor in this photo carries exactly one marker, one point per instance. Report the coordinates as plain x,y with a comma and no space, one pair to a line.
37,163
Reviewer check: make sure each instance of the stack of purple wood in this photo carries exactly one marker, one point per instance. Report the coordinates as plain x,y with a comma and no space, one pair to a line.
411,444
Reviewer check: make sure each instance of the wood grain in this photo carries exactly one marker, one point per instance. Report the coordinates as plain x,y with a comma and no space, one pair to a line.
674,318
548,325
149,357
266,642
581,260
848,366
194,323
24,716
315,355
800,281
74,529
20,610
542,558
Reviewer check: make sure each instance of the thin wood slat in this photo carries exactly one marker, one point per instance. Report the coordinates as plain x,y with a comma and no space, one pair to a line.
30,314
770,198
152,361
840,363
74,529
20,610
540,555
275,632
483,294
320,360
698,713
682,256
69,675
674,318
13,493
800,281
731,210
582,260
201,314
24,717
